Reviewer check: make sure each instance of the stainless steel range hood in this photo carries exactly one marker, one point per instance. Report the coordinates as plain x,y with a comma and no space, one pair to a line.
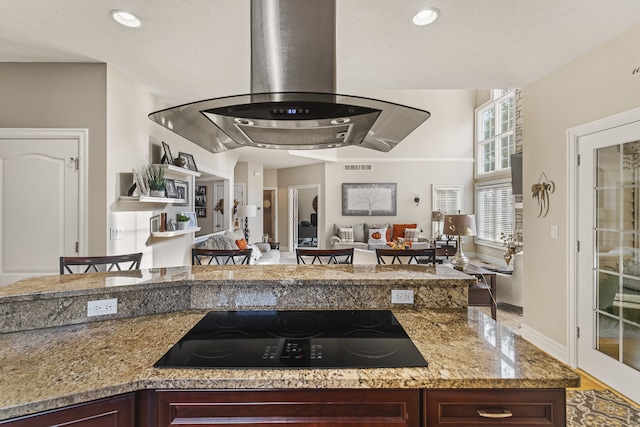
292,104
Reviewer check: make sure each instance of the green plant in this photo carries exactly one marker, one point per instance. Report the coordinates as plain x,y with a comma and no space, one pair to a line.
155,178
182,218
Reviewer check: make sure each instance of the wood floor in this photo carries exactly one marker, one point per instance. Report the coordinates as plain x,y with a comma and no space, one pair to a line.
589,383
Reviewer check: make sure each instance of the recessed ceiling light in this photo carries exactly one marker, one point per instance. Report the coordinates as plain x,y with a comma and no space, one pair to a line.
426,16
125,18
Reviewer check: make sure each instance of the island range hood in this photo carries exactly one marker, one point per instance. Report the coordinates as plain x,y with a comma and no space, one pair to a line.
292,104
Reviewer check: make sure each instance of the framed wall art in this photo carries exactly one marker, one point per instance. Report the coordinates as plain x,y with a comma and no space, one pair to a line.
193,222
191,163
369,199
182,192
170,188
167,157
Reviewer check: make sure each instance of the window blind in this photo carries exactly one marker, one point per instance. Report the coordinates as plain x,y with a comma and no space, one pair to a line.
494,212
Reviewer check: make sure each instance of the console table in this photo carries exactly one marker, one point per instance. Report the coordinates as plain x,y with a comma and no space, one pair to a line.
483,292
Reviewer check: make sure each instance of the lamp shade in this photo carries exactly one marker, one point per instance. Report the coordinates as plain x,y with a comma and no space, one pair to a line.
247,211
460,225
437,216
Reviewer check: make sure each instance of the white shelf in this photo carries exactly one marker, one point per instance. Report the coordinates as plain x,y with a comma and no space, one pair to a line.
148,199
174,233
178,170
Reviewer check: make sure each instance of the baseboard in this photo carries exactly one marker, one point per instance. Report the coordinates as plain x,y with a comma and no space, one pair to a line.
546,344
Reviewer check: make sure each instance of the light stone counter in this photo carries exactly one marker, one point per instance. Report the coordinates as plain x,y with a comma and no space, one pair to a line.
62,300
56,367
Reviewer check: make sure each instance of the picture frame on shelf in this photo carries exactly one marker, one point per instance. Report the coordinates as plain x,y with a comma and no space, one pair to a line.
141,183
172,225
193,221
182,192
170,189
191,163
167,157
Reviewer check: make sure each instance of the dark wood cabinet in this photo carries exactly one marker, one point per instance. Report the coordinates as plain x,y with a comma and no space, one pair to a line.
118,411
499,407
313,407
289,407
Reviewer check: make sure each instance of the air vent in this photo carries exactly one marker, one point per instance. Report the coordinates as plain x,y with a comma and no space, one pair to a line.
358,168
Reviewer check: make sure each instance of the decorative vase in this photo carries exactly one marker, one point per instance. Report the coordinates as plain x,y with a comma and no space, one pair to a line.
179,161
157,193
182,225
507,257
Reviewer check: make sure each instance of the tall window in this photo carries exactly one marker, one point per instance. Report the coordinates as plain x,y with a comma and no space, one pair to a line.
495,142
495,124
494,211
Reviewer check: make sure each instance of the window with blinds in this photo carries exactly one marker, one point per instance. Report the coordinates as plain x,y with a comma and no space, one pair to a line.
494,212
446,199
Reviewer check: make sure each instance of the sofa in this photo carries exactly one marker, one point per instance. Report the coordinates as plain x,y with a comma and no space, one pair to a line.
369,236
261,253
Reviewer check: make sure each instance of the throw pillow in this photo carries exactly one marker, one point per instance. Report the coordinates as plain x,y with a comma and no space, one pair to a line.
219,242
242,244
377,235
387,226
411,234
398,229
345,234
358,233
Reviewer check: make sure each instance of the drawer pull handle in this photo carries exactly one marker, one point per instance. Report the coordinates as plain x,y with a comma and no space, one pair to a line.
495,413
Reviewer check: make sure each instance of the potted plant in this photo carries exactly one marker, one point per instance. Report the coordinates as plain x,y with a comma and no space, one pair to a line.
155,179
183,221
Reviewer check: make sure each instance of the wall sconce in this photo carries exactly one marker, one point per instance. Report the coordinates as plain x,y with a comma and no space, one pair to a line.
417,199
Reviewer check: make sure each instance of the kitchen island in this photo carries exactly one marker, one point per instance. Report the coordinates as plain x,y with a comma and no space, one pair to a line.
57,366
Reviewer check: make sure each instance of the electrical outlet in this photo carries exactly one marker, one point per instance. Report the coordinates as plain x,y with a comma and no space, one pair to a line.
401,296
102,307
117,233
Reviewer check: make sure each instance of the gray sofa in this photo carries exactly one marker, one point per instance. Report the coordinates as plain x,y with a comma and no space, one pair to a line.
361,236
261,252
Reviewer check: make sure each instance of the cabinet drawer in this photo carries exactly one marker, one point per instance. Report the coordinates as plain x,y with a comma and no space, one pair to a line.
290,407
500,407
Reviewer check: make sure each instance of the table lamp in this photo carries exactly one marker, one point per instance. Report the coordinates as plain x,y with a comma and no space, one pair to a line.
460,225
437,217
246,212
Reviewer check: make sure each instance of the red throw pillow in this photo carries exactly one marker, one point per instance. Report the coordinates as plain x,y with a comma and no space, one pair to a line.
398,229
242,244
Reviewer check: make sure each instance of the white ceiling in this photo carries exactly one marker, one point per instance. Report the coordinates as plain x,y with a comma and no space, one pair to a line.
188,50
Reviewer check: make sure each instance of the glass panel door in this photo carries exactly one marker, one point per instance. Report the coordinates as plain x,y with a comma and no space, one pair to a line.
616,238
609,257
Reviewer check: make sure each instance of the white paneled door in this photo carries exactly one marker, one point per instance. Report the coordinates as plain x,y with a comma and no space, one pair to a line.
609,257
39,212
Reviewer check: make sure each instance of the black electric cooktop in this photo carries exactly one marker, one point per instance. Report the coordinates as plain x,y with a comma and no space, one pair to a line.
294,339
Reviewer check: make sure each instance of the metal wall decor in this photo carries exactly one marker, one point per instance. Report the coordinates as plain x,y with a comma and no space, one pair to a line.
541,192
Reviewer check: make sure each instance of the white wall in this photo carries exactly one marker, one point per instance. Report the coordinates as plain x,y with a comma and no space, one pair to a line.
596,85
63,95
121,137
440,152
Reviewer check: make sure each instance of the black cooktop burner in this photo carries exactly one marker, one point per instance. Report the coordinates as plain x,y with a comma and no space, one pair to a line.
294,339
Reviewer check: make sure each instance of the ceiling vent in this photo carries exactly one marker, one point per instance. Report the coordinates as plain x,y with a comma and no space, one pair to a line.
358,168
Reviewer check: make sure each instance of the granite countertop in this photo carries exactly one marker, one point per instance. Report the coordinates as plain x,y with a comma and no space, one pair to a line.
59,300
69,284
55,367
